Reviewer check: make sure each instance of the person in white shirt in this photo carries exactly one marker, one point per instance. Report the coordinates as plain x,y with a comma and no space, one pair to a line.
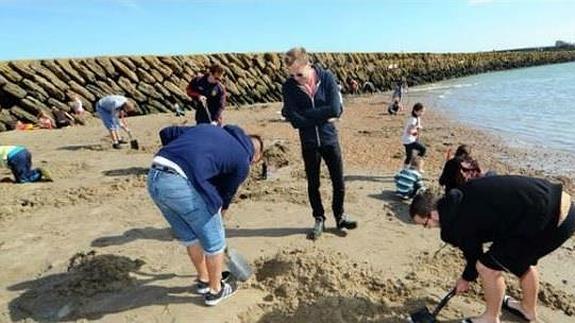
411,133
76,105
109,109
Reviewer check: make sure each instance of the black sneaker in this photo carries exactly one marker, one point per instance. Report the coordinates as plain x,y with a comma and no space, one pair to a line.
227,290
317,230
346,223
122,141
116,145
203,288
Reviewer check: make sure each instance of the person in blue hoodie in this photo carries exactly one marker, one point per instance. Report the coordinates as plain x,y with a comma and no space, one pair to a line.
312,102
192,180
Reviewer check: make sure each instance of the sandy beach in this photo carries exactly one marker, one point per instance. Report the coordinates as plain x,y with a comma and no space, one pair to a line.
377,273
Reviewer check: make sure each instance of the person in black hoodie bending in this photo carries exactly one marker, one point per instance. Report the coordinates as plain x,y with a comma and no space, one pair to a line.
525,219
311,103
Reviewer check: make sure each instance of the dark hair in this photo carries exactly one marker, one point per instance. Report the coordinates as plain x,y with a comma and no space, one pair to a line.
416,107
463,151
423,203
259,139
216,69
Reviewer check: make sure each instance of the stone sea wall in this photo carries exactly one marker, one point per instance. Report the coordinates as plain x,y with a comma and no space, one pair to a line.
157,83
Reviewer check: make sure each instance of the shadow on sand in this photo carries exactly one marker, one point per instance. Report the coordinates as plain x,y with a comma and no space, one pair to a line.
67,296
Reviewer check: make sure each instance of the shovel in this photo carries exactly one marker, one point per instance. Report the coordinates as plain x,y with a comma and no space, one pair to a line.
133,142
424,316
238,265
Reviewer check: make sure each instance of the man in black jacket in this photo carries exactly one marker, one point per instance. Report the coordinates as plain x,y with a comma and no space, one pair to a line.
525,218
312,102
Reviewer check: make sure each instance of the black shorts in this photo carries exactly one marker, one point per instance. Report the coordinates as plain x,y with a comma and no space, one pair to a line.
517,255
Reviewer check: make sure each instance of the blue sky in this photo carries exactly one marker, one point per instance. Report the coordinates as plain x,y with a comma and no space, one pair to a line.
76,28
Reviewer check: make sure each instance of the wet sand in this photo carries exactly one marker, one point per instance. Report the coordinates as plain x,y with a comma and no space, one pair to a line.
377,273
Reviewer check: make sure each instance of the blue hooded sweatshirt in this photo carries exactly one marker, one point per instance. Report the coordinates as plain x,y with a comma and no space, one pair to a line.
216,160
310,115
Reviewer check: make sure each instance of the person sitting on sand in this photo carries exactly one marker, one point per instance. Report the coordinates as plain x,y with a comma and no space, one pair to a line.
461,169
449,175
411,133
19,125
109,109
525,219
76,106
311,102
394,107
45,122
368,87
19,160
410,180
352,86
63,118
192,180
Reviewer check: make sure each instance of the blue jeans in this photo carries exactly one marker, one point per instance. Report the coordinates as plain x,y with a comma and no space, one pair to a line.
21,166
186,211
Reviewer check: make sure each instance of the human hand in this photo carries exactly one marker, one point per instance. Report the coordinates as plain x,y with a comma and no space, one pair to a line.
203,99
461,286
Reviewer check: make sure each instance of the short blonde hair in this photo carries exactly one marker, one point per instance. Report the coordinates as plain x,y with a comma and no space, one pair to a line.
296,55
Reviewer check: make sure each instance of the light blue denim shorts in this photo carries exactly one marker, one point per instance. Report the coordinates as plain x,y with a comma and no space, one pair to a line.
186,211
109,118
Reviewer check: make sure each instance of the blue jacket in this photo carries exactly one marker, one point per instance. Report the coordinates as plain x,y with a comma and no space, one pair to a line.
309,115
216,160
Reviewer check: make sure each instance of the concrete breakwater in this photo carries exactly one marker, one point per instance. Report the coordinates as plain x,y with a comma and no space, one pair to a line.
157,83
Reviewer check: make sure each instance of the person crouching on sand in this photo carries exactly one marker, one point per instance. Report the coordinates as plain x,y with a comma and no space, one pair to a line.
525,219
192,181
409,180
109,109
19,160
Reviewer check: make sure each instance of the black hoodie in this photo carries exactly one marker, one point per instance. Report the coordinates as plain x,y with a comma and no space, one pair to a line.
492,209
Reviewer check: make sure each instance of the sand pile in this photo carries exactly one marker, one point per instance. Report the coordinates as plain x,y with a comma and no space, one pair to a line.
277,155
89,279
95,274
313,285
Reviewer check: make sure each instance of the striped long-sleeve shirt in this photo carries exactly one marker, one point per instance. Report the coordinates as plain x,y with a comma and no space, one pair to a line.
407,180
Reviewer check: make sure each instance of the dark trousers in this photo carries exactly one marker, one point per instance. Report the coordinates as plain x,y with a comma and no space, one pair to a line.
21,166
312,160
410,148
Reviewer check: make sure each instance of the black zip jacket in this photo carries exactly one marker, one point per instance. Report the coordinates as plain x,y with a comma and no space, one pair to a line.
310,116
496,208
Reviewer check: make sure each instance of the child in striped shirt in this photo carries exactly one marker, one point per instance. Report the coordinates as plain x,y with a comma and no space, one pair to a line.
409,180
